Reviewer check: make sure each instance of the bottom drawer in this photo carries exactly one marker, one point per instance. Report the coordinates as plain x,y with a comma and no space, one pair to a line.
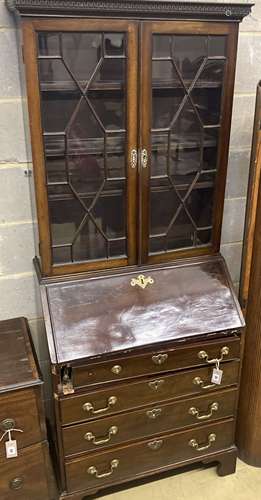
131,461
25,477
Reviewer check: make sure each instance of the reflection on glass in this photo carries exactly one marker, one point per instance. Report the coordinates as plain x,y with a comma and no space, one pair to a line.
83,117
187,84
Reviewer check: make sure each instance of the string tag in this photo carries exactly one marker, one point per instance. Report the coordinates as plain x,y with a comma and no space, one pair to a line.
11,447
10,444
217,375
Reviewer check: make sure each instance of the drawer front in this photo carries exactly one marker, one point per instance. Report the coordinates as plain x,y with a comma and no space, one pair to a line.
19,410
155,362
121,397
24,477
117,429
119,464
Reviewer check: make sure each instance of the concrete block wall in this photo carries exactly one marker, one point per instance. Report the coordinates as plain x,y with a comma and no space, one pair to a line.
19,293
248,74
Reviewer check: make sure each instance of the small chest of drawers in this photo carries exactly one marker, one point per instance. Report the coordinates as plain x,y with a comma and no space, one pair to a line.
27,475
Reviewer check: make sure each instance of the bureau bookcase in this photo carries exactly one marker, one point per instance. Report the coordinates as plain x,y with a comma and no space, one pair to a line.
129,110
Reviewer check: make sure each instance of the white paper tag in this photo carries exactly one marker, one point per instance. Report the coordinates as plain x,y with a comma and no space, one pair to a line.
11,449
217,376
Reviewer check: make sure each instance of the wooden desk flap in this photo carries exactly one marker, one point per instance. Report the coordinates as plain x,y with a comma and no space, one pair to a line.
108,314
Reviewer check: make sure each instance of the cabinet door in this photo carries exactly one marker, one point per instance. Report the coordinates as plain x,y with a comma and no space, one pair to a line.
82,89
187,87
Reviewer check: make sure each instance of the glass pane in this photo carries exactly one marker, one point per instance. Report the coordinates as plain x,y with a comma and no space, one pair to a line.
110,208
48,44
66,215
115,158
187,85
81,53
83,99
199,204
114,44
164,204
57,110
217,46
109,109
188,53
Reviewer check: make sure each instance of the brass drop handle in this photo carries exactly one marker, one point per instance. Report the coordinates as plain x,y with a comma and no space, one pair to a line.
224,351
90,408
89,436
159,359
196,413
93,471
199,381
194,444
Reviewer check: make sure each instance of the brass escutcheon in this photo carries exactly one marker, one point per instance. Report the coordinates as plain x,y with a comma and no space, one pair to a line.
133,158
16,483
156,384
153,414
142,281
156,444
144,158
159,359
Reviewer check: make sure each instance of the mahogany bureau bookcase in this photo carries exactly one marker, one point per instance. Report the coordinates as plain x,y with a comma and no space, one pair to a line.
129,109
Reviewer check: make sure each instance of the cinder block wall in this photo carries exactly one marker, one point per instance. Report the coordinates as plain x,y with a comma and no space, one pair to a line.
18,289
247,76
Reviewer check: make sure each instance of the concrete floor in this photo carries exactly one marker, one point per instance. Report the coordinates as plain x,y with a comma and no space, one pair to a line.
199,484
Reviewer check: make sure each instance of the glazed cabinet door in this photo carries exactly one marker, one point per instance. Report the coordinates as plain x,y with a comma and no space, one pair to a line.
186,99
82,90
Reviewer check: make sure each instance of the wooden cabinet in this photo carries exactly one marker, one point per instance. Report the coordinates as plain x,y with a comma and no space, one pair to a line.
130,128
130,108
132,371
25,472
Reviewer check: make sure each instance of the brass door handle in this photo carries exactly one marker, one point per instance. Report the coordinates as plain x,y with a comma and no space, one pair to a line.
93,471
196,413
199,381
194,444
89,436
89,406
159,359
224,351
